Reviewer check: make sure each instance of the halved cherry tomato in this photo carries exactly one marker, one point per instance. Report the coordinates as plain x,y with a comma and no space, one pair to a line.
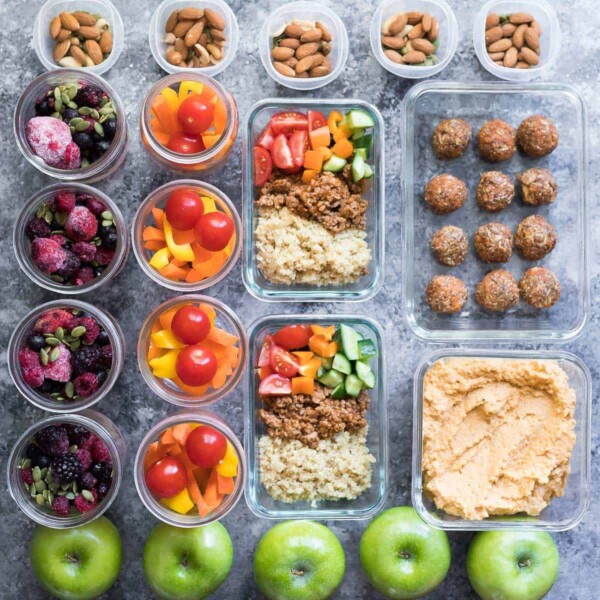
292,170
183,209
264,359
281,153
264,372
195,115
266,138
293,337
283,362
182,143
206,446
316,119
214,230
196,365
287,122
190,325
275,385
166,477
298,146
262,165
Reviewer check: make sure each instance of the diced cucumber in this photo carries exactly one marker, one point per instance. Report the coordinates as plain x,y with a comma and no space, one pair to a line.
331,379
359,119
342,364
349,339
358,133
365,374
339,392
361,152
368,172
366,349
366,141
326,363
353,385
358,167
335,164
321,371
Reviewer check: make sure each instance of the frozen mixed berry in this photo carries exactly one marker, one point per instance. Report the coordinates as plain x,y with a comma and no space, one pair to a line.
100,454
102,377
89,95
84,140
81,224
61,506
92,329
48,255
85,458
104,256
86,359
44,106
37,456
66,468
51,320
103,338
71,158
37,228
31,367
83,276
97,207
102,489
49,139
102,471
36,342
70,266
108,236
60,368
105,359
63,202
87,481
53,440
88,442
26,476
110,128
83,504
86,384
85,251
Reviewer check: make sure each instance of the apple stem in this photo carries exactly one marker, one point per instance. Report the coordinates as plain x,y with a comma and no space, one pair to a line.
72,558
404,554
299,572
524,563
184,560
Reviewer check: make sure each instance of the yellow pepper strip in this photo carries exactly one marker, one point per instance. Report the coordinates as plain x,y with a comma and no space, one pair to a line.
182,503
209,204
160,259
164,366
229,463
170,95
165,339
333,119
185,87
179,251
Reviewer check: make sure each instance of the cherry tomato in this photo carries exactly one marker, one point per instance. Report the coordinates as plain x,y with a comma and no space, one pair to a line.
298,146
316,119
287,122
275,385
292,170
264,359
190,325
183,209
283,362
182,143
293,337
281,153
262,165
167,477
214,230
206,446
264,372
266,138
195,115
196,365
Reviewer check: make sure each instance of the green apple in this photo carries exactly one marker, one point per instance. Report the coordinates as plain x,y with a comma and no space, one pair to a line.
77,563
403,556
187,564
299,560
512,565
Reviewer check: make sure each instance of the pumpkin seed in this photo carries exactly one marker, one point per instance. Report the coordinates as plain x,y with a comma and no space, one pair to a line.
40,211
58,104
59,334
52,341
57,92
72,105
83,126
72,92
85,162
54,354
69,389
55,394
36,473
99,129
26,463
56,115
32,491
40,500
45,494
74,487
40,486
95,114
76,311
70,496
73,448
48,217
107,215
44,473
61,218
88,495
65,98
43,357
74,345
106,110
50,497
106,223
103,119
86,111
78,331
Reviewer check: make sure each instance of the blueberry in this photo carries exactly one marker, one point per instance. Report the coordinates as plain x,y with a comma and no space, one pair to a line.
83,140
70,113
51,387
110,128
100,148
108,235
98,271
36,342
67,245
44,107
102,376
102,338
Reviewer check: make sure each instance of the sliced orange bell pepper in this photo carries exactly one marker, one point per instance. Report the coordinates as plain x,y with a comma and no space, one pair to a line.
152,234
322,346
184,237
310,368
343,148
167,118
222,337
159,216
303,357
220,117
320,137
333,119
326,332
308,175
225,485
154,245
303,385
326,152
313,159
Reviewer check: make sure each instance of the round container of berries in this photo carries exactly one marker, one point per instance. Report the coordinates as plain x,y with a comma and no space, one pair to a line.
190,469
71,125
66,470
70,238
187,235
192,350
65,355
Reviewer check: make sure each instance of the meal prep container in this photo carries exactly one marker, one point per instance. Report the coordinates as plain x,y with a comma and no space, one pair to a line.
424,107
448,36
550,39
563,512
98,424
369,502
306,11
367,286
161,512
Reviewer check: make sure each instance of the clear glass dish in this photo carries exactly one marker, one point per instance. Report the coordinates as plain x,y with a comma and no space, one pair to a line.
367,286
563,512
424,107
373,499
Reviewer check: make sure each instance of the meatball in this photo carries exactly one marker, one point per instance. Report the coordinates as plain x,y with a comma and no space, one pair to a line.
535,237
538,187
450,245
451,138
446,294
493,243
496,140
497,291
445,193
539,287
537,136
495,191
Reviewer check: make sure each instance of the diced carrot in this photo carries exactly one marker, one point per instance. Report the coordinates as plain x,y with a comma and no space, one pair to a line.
152,455
202,475
159,216
154,245
173,272
200,253
181,432
165,115
194,276
343,148
152,233
225,485
210,311
211,494
220,118
218,381
308,175
213,265
221,337
313,159
184,237
193,390
167,437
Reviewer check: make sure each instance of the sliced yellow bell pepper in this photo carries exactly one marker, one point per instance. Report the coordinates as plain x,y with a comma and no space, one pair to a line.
164,366
333,119
182,503
170,95
229,463
310,368
165,339
343,132
179,251
210,205
185,87
160,259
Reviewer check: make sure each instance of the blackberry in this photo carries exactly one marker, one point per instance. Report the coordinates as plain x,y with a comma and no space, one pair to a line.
71,266
77,434
66,468
53,440
87,481
68,245
90,96
110,128
51,387
36,342
103,489
37,228
44,107
108,235
105,361
84,140
102,471
85,359
37,457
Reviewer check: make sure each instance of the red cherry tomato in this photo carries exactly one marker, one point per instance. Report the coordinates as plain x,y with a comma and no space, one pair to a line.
316,119
264,359
190,325
287,122
284,363
183,209
266,138
275,385
167,477
196,365
262,165
206,446
195,115
292,170
293,337
214,230
298,146
282,153
183,143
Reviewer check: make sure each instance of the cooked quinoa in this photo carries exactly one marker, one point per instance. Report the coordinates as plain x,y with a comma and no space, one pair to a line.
338,468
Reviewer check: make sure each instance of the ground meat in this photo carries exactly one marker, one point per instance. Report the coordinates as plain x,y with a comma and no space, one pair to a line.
496,140
535,237
493,243
539,287
537,136
450,245
497,291
313,418
495,191
451,138
328,199
538,186
446,294
445,193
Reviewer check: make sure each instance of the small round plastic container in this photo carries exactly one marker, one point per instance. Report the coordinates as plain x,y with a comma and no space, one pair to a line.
550,40
168,390
448,36
306,11
99,425
158,199
22,245
19,338
164,513
158,46
44,44
108,163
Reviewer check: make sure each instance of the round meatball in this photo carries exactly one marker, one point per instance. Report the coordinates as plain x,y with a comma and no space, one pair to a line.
451,138
495,191
446,294
497,291
450,245
535,237
537,136
496,140
539,287
538,186
493,243
445,193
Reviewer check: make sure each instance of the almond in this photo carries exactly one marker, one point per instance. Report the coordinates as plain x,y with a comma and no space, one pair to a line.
395,43
500,46
77,53
492,20
493,35
173,57
519,36
94,52
215,51
520,18
181,47
306,50
194,33
284,69
522,65
413,17
327,37
325,48
426,22
434,31
182,28
529,56
203,41
61,49
508,29
106,42
497,56
191,13
532,39
64,34
85,18
294,31
416,32
289,43
55,27
68,21
423,46
510,57
319,71
215,20
217,35
398,24
172,21
291,62
535,25
306,64
394,56
282,53
414,57
304,75
314,35
89,33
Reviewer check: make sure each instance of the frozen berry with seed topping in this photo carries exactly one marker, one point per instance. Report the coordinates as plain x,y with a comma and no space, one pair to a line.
100,453
48,138
26,476
70,266
63,202
86,384
102,376
84,275
36,342
77,433
37,228
31,367
105,360
108,235
92,329
47,255
85,458
61,506
37,456
102,471
60,369
103,489
110,128
89,442
85,359
89,95
51,387
53,440
71,158
100,148
85,251
103,338
96,206
104,256
51,320
70,113
65,468
81,225
87,481
59,239
84,505
44,106
84,140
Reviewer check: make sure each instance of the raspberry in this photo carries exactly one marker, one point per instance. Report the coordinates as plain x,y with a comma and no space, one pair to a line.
51,320
37,228
88,442
59,239
48,255
26,476
61,506
81,225
92,329
31,367
83,505
104,256
85,250
105,357
65,468
87,481
63,202
86,384
60,369
85,458
96,206
53,440
71,158
89,95
85,359
70,266
102,471
84,275
28,358
100,454
48,138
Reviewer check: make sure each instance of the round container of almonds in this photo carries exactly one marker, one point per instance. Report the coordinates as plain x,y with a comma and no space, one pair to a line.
71,35
194,36
303,45
414,39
